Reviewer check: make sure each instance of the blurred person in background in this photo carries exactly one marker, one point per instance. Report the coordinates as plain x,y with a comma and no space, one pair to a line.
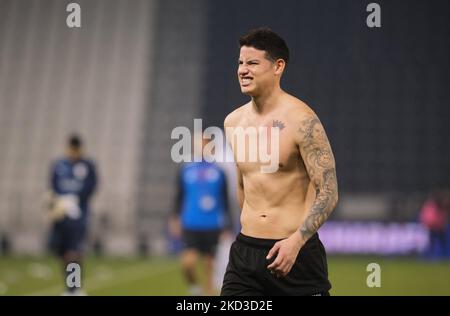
73,180
200,218
434,216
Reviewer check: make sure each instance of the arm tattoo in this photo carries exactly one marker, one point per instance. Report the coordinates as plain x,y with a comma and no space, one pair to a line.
319,161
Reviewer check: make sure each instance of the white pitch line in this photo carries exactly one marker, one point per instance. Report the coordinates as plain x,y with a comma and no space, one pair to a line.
127,274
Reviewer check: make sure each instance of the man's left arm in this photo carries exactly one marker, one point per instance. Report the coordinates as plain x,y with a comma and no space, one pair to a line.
319,161
91,181
320,165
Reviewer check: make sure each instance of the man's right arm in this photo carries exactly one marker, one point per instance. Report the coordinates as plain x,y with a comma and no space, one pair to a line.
174,217
229,123
240,188
53,183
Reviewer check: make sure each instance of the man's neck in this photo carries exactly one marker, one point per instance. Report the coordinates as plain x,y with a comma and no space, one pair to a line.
266,102
74,159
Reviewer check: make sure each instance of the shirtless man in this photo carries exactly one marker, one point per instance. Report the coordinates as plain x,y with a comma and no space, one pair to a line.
278,251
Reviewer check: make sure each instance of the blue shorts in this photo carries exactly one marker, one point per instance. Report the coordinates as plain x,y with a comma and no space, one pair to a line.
67,235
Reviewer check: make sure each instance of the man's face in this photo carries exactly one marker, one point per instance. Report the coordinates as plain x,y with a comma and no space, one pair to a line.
255,72
201,142
74,153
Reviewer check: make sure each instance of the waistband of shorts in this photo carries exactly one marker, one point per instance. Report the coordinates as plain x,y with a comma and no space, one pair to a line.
261,242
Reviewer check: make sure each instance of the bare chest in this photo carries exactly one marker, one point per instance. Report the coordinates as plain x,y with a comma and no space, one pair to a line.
266,145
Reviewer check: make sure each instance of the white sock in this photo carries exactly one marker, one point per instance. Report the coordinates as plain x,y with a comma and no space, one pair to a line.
195,290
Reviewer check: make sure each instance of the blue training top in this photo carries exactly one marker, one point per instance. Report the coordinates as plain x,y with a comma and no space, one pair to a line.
74,177
202,199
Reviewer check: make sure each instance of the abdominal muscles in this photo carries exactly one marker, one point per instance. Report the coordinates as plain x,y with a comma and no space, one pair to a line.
275,211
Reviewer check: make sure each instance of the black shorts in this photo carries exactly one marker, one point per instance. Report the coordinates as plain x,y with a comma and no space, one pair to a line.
68,235
204,242
247,272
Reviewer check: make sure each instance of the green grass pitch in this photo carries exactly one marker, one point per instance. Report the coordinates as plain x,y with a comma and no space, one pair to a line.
162,276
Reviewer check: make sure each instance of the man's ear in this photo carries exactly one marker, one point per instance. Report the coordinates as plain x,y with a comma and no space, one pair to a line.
279,64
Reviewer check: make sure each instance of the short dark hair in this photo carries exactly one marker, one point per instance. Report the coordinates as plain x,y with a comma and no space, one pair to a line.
74,141
267,40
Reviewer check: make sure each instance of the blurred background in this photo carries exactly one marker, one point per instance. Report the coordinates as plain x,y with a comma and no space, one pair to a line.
136,69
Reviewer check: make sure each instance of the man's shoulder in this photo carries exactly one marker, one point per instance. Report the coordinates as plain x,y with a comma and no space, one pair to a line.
232,118
188,167
89,161
296,109
298,115
59,162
